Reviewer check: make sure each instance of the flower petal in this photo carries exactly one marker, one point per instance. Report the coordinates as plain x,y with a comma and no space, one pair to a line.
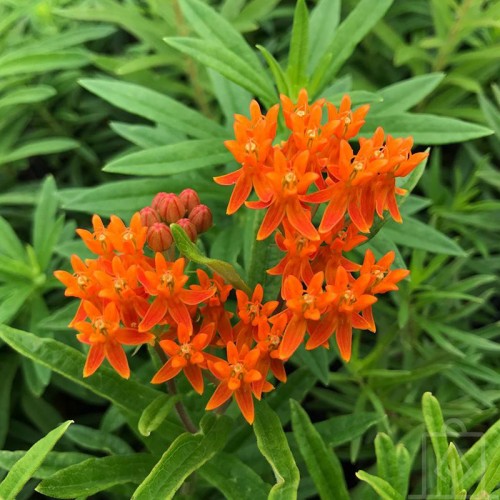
94,359
117,358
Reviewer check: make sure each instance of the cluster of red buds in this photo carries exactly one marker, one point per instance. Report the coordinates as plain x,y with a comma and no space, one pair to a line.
184,209
130,298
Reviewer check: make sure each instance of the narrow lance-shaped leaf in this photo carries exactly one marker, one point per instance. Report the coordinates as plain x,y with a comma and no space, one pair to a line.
233,478
382,487
24,469
8,367
192,252
299,45
154,106
424,128
322,463
155,413
172,159
95,475
401,96
352,30
272,443
433,418
185,455
280,77
481,453
69,362
227,63
323,23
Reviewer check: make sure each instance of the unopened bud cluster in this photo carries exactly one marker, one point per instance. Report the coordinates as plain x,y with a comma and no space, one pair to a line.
184,209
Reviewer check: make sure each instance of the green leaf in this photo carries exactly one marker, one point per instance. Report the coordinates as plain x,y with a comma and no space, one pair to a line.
39,147
436,429
233,478
154,106
210,25
382,487
232,98
191,251
387,465
27,95
53,462
12,297
172,159
342,429
95,475
322,463
415,234
227,63
155,413
98,440
184,456
424,128
46,228
358,24
482,452
455,469
317,361
10,244
299,47
280,77
8,367
145,136
272,443
323,23
491,478
24,469
42,63
402,96
69,362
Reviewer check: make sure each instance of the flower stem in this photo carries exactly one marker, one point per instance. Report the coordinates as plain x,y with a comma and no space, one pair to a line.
172,389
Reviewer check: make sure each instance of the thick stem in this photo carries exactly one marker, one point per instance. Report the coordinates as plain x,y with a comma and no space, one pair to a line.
172,389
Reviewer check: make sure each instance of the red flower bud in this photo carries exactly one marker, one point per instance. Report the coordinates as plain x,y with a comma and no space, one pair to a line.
190,199
159,237
189,227
157,200
171,208
149,216
201,217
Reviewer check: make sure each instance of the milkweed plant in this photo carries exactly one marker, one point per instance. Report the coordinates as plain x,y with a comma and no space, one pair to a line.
196,349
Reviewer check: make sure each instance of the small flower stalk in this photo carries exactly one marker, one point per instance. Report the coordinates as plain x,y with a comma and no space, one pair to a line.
320,194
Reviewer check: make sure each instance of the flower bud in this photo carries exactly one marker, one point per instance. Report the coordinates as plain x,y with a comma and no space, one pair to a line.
159,237
189,228
201,217
171,208
157,200
149,216
190,199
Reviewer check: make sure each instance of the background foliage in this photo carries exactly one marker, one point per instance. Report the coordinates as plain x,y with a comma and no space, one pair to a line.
135,87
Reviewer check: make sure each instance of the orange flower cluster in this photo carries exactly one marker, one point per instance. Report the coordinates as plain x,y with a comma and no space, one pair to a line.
131,296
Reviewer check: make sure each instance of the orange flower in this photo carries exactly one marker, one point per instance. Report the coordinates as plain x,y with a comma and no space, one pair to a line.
289,182
382,280
351,298
307,306
237,375
128,240
166,283
299,253
251,148
105,336
99,241
214,311
187,356
253,314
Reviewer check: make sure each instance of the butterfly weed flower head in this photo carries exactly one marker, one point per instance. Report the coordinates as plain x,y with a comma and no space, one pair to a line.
320,193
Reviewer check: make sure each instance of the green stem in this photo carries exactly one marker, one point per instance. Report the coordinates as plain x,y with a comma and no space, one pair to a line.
172,389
